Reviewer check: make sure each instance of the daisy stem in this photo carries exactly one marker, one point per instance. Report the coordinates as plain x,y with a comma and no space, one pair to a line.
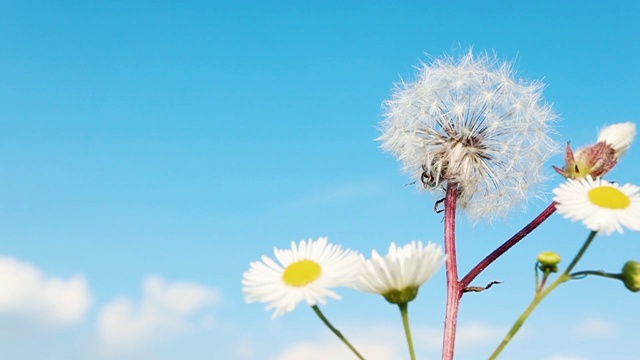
336,331
566,276
404,311
454,286
544,215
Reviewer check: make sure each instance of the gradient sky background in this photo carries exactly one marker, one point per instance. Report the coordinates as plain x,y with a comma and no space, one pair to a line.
149,151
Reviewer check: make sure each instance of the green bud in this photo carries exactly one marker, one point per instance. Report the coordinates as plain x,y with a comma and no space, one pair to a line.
631,275
548,261
401,296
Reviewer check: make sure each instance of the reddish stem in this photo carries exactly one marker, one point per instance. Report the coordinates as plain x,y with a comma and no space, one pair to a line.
544,215
454,287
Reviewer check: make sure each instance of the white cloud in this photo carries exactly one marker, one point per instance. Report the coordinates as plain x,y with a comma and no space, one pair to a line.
244,348
25,291
564,357
370,349
476,333
387,342
426,337
595,328
165,309
373,341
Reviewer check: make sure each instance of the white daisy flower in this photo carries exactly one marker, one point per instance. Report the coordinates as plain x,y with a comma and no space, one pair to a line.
469,121
398,275
600,205
306,272
618,136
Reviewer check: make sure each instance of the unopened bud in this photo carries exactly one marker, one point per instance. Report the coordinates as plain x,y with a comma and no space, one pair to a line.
595,160
619,136
631,275
548,261
599,158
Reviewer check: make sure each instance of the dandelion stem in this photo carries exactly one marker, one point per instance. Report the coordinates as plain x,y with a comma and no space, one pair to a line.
454,287
404,311
336,331
544,215
566,276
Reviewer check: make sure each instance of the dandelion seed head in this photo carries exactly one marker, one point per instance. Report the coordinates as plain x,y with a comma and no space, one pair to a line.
469,121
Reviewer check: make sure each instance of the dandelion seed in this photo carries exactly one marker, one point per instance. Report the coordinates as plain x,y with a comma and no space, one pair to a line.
469,122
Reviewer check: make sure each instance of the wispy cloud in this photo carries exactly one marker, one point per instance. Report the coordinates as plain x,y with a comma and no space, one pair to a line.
595,328
165,309
377,341
27,292
477,333
340,193
371,349
387,342
565,357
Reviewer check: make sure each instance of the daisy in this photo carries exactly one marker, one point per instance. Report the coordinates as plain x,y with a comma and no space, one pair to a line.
304,273
398,275
600,205
471,122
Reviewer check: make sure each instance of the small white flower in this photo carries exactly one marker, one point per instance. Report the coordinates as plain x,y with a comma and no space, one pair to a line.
600,205
469,122
398,275
306,272
618,136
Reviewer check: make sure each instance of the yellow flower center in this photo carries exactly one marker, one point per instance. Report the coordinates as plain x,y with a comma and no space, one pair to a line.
301,273
609,197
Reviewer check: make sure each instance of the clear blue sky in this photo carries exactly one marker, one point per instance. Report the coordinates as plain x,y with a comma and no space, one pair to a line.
184,140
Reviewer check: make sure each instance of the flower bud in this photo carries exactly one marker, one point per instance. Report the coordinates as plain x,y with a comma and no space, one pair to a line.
618,136
631,275
599,158
548,261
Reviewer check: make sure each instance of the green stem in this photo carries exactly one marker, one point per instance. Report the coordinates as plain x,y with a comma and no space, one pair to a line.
584,247
541,295
336,331
581,274
404,311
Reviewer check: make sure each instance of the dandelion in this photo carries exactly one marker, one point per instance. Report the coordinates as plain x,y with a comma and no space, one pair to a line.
600,205
399,275
469,122
307,272
599,158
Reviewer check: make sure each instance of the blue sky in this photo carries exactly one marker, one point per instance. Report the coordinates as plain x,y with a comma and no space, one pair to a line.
149,151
